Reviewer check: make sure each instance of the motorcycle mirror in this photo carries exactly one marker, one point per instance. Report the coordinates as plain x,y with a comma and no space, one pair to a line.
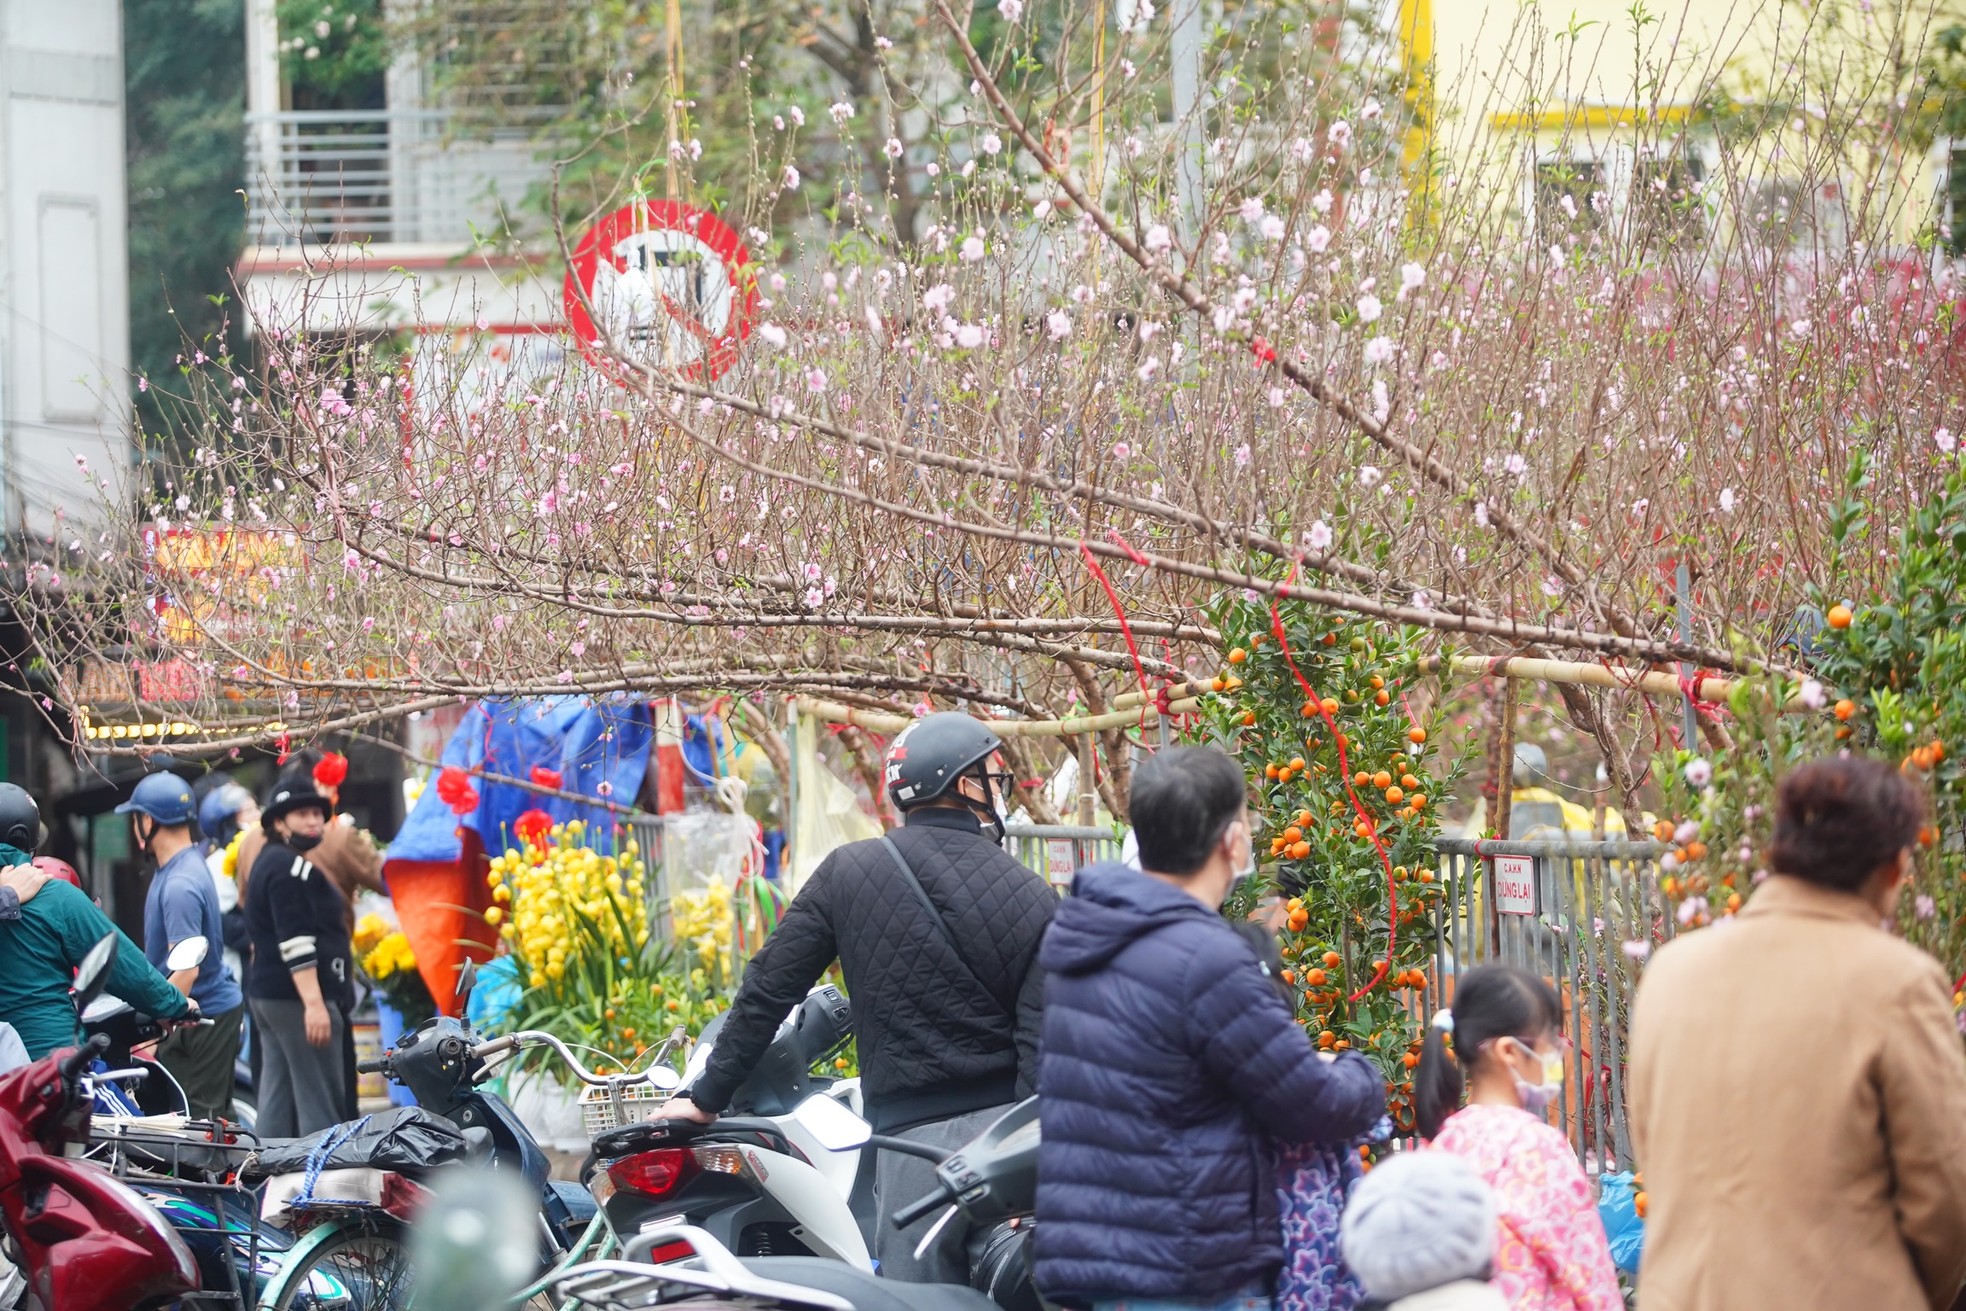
104,1008
467,978
92,975
665,1078
189,954
835,1127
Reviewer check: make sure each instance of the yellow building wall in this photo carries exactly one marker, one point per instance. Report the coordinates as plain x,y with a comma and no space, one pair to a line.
1502,83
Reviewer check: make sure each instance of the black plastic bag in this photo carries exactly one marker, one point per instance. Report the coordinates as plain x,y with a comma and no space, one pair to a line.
401,1138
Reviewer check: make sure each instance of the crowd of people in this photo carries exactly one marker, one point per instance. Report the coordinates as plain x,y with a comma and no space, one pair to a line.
1797,1081
268,888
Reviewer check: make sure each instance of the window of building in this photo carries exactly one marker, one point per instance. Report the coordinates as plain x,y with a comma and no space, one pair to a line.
1569,199
1953,230
1795,215
1666,205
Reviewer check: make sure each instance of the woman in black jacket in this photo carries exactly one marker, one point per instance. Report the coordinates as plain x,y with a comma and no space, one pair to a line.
300,983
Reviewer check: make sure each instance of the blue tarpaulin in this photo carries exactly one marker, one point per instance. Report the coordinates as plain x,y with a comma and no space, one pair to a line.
590,744
604,754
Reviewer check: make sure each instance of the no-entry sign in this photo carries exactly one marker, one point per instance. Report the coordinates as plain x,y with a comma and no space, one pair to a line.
670,284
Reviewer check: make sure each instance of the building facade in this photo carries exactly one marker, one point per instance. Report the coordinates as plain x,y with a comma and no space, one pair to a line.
65,334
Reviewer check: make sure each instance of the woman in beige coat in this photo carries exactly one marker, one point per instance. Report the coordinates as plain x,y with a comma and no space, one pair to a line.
1797,1084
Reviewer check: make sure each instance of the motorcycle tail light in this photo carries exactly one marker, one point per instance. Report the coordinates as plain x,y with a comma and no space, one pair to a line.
721,1158
657,1173
403,1197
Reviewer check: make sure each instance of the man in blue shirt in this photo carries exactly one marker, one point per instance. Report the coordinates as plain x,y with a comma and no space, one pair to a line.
183,903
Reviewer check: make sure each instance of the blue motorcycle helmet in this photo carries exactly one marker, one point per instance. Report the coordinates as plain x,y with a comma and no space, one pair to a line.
218,813
166,798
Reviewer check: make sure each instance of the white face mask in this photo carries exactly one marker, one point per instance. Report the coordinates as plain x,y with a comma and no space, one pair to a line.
1247,868
1536,1097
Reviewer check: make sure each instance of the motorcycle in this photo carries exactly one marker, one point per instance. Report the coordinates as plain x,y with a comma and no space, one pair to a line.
776,1179
761,1179
445,1064
183,1169
992,1180
83,1239
137,1087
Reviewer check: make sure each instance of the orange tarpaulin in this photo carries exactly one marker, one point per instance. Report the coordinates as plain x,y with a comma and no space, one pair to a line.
440,904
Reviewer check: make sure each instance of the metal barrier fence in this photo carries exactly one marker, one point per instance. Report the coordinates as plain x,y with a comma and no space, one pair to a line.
1057,851
1563,910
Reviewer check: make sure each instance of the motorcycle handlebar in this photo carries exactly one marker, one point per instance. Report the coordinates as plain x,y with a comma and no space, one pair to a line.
77,1062
378,1066
530,1037
920,1208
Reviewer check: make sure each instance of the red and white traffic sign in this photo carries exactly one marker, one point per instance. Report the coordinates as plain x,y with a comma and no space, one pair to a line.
670,284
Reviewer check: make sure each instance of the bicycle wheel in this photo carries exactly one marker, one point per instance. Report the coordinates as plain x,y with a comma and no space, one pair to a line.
362,1270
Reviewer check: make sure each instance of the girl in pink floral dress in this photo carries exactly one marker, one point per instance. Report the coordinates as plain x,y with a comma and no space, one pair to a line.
1507,1057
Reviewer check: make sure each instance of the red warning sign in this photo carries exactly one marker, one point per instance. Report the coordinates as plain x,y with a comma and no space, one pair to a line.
671,286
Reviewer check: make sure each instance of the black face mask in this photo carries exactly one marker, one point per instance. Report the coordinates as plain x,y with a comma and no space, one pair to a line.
303,842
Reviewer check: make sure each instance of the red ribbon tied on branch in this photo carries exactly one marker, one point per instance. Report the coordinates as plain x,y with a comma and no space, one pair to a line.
548,778
454,790
331,772
1345,777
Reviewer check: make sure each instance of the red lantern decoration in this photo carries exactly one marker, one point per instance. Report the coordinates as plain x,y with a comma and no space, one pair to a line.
548,778
454,790
331,772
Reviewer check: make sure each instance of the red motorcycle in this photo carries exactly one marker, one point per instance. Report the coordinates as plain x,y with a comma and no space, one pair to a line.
85,1240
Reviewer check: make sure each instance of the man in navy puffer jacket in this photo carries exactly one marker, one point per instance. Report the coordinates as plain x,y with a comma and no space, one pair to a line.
1170,1066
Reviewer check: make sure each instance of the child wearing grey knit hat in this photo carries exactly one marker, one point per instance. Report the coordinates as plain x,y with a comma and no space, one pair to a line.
1419,1232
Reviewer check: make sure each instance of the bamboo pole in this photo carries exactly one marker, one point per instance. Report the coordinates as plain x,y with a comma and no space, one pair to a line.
1177,691
1705,687
875,721
1138,707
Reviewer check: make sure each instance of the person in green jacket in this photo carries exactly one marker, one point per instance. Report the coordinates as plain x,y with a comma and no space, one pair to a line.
46,928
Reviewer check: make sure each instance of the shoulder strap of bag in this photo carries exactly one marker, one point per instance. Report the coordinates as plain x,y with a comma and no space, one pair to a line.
941,925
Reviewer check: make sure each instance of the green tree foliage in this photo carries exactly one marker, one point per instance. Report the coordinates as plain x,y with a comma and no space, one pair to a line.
1885,676
185,89
1357,975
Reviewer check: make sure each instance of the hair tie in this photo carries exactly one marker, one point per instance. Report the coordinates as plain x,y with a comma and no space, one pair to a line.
1443,1020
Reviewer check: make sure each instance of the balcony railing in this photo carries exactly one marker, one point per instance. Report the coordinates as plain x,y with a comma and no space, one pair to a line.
385,176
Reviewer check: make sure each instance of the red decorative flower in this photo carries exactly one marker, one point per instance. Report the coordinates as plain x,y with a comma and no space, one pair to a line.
454,790
548,778
332,771
533,827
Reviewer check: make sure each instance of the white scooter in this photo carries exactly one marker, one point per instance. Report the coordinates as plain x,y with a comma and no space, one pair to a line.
769,1178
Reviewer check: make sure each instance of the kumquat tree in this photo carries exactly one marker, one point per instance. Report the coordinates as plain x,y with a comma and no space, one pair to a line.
1884,672
1329,721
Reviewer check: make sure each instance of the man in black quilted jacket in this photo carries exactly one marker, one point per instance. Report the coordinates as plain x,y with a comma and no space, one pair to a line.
940,960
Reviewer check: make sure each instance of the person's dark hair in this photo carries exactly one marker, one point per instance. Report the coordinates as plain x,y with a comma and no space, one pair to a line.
1838,819
1181,801
1490,1002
